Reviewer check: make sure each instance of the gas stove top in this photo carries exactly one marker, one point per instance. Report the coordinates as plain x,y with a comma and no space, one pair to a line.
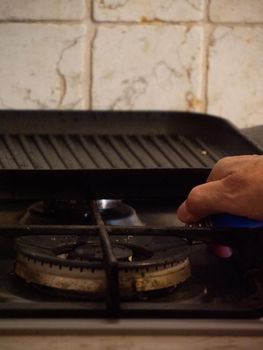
143,269
88,225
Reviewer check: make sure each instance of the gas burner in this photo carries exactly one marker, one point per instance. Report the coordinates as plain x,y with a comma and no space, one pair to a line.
57,211
74,265
70,212
91,251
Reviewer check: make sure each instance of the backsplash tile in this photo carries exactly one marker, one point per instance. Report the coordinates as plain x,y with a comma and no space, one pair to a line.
41,66
241,11
235,79
194,55
148,10
42,9
147,68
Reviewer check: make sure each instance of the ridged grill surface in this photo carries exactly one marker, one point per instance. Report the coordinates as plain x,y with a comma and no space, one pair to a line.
105,152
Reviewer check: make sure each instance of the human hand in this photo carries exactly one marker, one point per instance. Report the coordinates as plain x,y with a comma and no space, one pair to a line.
234,186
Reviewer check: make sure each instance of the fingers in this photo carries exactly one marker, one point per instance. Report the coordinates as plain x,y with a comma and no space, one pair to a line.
233,182
221,250
227,165
202,201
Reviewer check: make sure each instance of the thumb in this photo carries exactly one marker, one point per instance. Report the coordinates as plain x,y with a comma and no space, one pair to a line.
203,200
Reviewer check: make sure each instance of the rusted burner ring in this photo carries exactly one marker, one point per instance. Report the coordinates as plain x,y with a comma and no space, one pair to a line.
158,263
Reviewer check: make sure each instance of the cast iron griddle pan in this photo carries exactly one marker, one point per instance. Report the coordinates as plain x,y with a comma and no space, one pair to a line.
112,154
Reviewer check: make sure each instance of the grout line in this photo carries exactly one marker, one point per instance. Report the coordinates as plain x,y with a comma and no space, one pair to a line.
91,29
206,10
178,23
86,54
148,22
41,21
91,66
237,24
89,51
88,10
129,23
205,57
91,47
92,11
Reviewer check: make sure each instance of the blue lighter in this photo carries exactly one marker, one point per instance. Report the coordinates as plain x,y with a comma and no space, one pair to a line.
234,221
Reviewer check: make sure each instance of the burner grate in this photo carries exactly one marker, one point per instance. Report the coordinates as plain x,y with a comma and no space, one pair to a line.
113,307
111,264
168,257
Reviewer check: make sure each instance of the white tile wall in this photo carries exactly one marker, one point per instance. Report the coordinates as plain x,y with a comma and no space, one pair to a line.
148,10
241,11
41,66
135,68
134,54
235,85
42,9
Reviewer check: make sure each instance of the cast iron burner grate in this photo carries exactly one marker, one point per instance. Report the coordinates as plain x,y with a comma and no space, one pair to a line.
77,263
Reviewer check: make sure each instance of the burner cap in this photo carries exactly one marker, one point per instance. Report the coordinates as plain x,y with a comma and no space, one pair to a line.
68,212
93,252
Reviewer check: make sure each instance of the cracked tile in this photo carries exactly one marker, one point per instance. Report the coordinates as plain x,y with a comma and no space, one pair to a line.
42,66
42,10
148,10
235,76
147,68
241,11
